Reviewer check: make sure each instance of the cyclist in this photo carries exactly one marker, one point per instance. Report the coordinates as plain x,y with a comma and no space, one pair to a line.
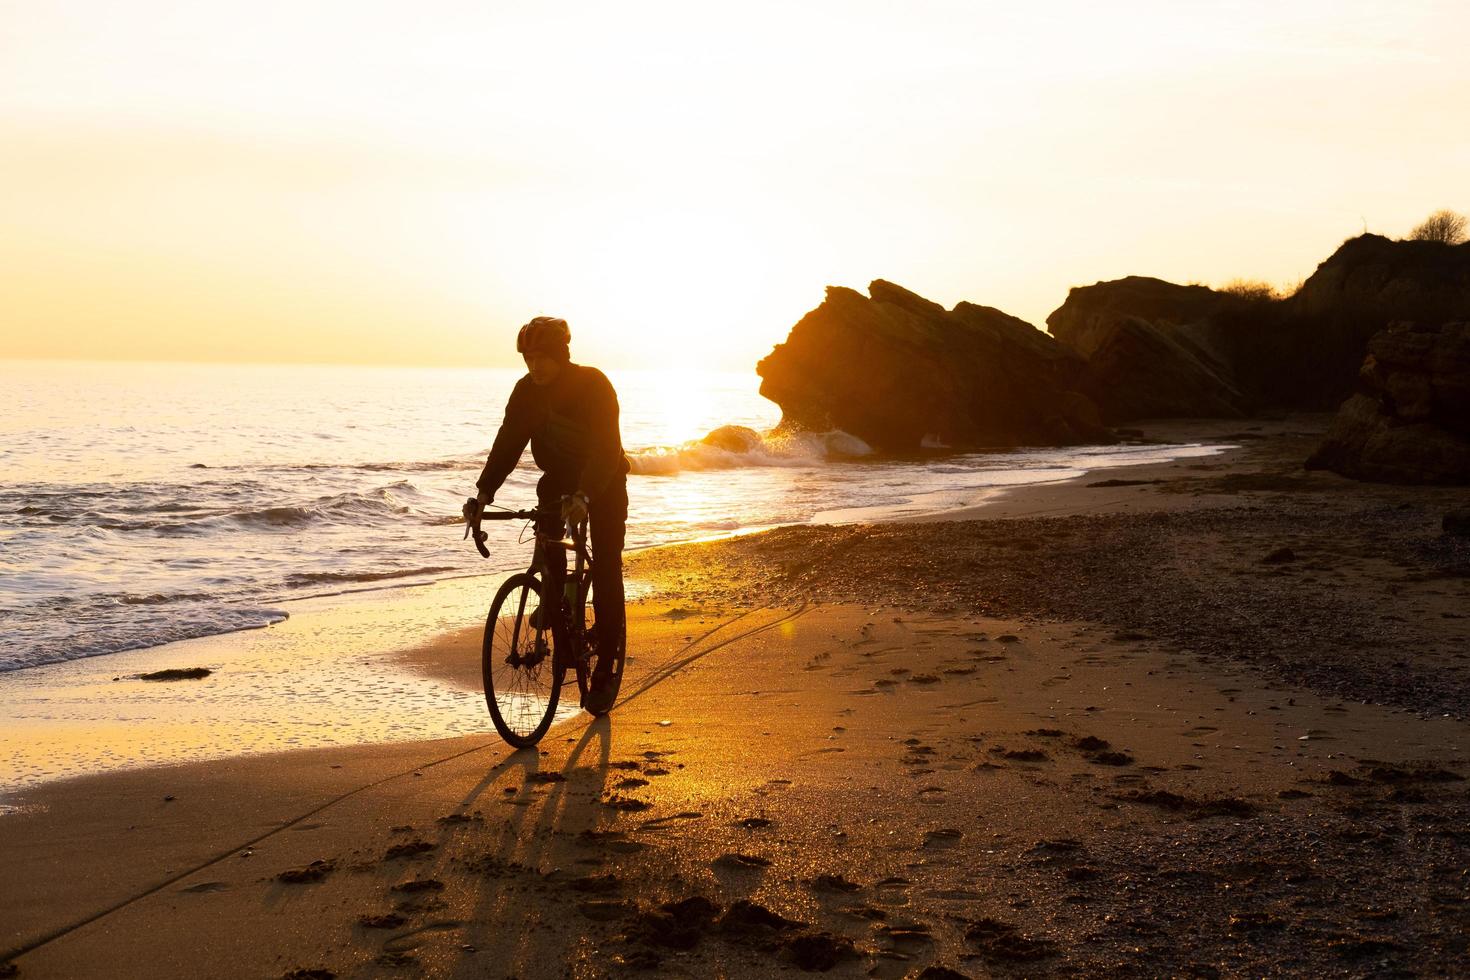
569,415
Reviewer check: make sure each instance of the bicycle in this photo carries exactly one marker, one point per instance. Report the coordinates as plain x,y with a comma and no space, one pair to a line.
533,634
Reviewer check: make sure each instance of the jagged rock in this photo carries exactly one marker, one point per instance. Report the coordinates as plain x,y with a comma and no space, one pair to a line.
901,373
1158,349
1368,283
1153,348
1410,420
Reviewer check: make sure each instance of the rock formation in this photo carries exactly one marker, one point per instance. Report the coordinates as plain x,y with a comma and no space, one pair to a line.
902,373
1159,349
1409,422
1368,283
1153,348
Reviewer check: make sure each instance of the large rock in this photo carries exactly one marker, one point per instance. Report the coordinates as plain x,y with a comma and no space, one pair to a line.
1156,348
1153,348
1410,420
901,372
1310,360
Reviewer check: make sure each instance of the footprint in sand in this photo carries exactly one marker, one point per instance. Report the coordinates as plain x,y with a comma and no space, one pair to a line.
865,912
596,884
456,818
612,840
385,920
1003,941
740,862
834,884
418,885
423,934
607,910
906,937
944,837
662,823
315,871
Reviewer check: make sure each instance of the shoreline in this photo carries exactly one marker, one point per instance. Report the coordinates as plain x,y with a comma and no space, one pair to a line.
394,587
394,608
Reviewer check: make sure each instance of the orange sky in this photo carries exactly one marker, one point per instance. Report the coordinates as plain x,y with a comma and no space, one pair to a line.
407,183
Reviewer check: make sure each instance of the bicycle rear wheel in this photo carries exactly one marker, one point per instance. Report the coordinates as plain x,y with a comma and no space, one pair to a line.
615,648
522,678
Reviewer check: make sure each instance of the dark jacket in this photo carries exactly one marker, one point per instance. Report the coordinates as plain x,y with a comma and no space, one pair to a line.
572,426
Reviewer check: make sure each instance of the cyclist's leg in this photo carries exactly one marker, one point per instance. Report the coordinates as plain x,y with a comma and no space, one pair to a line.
608,519
554,559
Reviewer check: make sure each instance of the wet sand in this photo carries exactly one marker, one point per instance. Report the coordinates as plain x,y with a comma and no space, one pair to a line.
1120,737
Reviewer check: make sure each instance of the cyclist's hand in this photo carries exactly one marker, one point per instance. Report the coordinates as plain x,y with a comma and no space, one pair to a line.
574,509
472,509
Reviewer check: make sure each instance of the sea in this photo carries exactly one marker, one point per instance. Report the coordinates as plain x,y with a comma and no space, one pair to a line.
144,503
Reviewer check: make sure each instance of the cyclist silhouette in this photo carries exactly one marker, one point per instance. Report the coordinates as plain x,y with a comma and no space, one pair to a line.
569,415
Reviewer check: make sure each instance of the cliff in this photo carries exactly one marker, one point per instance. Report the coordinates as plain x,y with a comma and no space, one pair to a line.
1155,348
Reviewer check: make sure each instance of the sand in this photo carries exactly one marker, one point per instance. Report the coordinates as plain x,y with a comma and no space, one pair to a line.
1103,736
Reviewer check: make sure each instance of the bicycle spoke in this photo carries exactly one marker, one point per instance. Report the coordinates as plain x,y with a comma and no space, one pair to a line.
521,669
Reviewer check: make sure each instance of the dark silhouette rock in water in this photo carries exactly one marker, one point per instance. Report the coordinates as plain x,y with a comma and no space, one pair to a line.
901,373
1409,422
1153,348
733,438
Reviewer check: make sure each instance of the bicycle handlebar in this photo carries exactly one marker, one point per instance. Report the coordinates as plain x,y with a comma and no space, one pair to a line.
473,529
514,515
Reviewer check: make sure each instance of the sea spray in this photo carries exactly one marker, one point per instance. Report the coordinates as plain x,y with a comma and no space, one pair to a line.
736,446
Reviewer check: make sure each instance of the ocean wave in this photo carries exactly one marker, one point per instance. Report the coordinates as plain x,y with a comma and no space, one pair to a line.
40,642
303,579
157,598
736,446
389,466
343,508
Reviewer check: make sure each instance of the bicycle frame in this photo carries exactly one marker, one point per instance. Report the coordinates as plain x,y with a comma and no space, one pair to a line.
577,576
594,658
554,600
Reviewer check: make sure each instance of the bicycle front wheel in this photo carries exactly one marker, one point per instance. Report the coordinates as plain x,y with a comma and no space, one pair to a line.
522,678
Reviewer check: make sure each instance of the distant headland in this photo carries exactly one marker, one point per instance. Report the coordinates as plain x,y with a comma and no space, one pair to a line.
1381,323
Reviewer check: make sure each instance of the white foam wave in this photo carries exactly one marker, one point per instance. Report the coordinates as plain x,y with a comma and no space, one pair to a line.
736,446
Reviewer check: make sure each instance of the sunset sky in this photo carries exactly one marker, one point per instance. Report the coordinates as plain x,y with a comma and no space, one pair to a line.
406,183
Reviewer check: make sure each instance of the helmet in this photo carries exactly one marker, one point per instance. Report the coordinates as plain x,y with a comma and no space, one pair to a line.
545,333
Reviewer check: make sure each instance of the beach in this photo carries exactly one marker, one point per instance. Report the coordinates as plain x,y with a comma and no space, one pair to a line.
1199,717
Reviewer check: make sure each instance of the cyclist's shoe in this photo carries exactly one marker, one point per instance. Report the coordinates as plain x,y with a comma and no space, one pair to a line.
537,619
600,691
